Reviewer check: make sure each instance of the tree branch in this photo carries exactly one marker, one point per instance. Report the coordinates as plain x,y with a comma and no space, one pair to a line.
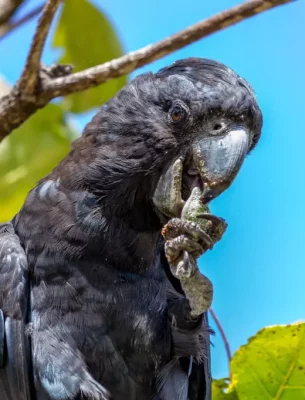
19,22
128,63
15,108
223,336
30,75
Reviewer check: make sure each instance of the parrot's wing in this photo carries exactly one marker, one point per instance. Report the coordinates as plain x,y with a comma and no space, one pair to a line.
200,384
14,344
188,375
189,378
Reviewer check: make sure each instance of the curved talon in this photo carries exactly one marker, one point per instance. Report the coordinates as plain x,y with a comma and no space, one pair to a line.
177,227
212,218
205,238
174,247
184,268
186,259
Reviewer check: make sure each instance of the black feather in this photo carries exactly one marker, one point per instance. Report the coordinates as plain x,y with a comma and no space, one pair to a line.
107,318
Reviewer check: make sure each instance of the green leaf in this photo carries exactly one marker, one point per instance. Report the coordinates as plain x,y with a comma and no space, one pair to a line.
29,153
221,391
271,366
87,39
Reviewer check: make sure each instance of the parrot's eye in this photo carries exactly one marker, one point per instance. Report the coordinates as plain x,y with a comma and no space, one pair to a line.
177,113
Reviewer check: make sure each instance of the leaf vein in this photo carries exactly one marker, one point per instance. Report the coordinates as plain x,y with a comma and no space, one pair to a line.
290,370
254,373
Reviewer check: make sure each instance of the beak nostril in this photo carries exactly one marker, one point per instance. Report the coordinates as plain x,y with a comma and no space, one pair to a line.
218,127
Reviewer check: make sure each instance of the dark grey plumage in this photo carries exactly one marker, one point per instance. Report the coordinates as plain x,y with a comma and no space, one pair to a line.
14,346
107,318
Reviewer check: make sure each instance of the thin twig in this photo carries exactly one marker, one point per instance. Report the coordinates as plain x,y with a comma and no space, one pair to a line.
30,75
16,107
223,336
21,21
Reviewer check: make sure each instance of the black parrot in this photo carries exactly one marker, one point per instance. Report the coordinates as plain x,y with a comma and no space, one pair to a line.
90,309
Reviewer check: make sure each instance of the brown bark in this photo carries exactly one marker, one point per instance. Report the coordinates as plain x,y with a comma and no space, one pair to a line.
35,88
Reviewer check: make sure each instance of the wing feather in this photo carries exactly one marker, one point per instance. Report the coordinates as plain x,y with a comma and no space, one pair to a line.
191,346
14,345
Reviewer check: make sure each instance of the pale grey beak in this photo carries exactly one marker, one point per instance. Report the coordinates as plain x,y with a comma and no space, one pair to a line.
218,160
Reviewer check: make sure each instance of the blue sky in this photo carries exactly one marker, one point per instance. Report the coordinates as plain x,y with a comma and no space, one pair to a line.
258,269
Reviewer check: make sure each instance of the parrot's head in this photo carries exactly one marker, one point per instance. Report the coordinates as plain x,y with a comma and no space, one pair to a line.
196,109
215,112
